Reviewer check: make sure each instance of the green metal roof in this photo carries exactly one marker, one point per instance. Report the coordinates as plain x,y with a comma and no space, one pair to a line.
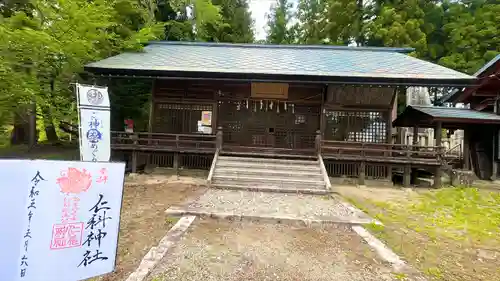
456,113
329,63
451,117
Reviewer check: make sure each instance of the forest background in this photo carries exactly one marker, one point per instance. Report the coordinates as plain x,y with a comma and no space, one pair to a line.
44,44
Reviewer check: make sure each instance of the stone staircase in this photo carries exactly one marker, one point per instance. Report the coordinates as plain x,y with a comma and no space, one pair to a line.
268,174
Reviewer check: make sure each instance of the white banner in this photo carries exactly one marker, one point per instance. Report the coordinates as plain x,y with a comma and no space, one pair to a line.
95,135
61,219
92,96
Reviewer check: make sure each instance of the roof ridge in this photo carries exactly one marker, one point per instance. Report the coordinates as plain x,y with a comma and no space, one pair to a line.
487,66
284,46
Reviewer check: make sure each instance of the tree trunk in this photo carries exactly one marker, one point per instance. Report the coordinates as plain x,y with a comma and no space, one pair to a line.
33,133
20,131
48,123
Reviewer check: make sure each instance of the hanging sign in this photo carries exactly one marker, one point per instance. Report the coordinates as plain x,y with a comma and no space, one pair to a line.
63,219
93,96
206,118
95,134
95,126
269,90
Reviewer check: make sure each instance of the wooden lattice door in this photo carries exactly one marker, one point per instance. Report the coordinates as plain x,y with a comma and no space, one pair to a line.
263,123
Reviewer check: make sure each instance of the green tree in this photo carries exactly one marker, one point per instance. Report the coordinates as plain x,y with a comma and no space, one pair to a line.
337,22
311,27
49,47
344,21
236,24
278,23
399,23
472,29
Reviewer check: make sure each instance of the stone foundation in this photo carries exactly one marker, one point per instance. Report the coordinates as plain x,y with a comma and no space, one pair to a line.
354,181
462,178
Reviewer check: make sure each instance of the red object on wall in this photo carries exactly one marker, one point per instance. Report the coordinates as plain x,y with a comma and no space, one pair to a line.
129,123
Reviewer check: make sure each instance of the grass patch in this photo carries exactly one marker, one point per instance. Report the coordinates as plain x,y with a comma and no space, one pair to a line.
171,220
40,151
449,234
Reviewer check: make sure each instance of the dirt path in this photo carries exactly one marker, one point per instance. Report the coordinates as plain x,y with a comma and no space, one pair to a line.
143,222
221,250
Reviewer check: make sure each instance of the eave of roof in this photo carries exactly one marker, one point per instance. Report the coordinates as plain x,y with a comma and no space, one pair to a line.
488,66
427,116
291,63
459,95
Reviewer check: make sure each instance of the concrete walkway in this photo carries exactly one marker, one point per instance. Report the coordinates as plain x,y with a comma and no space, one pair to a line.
234,251
301,209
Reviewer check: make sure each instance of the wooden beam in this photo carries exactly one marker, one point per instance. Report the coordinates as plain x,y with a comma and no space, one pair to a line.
494,165
415,144
466,158
438,133
362,167
134,161
407,176
389,139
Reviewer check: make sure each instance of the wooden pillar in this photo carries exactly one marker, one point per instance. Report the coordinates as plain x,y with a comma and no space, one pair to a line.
176,161
151,109
407,175
318,142
407,167
135,141
438,133
415,135
466,150
362,167
175,164
322,116
134,161
416,140
389,138
219,138
151,118
494,165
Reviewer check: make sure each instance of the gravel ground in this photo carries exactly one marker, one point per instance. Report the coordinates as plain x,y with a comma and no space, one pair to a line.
213,251
265,204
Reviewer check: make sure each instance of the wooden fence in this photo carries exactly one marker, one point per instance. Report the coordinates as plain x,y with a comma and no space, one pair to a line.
375,160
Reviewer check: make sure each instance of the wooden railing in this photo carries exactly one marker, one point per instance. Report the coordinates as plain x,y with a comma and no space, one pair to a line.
335,150
453,144
381,152
163,142
455,151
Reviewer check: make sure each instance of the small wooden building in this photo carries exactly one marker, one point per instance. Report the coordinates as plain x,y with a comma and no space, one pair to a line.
332,102
482,137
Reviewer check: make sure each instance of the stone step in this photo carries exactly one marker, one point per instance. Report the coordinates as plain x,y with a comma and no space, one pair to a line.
278,181
266,166
295,185
288,173
265,188
267,160
268,179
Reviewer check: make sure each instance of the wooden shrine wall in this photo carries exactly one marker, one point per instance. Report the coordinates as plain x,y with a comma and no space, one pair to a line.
358,113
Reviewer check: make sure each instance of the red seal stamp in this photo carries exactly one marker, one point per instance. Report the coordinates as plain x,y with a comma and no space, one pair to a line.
67,235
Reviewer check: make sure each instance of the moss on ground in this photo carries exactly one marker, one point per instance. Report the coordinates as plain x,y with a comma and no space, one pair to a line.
449,234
